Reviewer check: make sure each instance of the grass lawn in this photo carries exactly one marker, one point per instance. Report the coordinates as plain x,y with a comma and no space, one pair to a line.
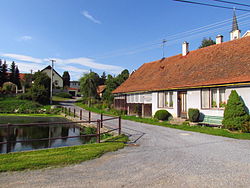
58,99
200,129
58,156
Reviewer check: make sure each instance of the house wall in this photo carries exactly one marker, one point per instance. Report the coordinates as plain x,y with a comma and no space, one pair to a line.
56,78
194,101
155,108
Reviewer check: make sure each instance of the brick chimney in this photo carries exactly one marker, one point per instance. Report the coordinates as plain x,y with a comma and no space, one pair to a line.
185,48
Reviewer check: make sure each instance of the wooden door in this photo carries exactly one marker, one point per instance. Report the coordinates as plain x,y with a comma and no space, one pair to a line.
182,104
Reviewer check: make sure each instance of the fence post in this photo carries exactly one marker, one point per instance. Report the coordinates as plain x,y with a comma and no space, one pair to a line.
69,111
89,116
74,112
8,145
98,131
81,114
65,110
120,127
101,120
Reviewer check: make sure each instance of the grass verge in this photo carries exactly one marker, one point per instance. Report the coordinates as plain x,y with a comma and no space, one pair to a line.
200,129
58,156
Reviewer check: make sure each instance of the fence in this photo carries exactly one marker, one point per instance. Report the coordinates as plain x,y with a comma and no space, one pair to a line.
99,124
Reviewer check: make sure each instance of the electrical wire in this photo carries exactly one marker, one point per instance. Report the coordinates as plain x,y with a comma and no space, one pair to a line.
233,3
211,5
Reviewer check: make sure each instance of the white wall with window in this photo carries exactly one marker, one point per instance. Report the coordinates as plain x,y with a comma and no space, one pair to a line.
143,98
165,100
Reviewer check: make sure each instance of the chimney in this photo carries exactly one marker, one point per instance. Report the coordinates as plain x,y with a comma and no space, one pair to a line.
219,39
185,48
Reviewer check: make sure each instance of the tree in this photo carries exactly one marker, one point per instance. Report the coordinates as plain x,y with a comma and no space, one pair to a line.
17,78
112,83
207,42
12,72
40,90
88,86
102,79
4,72
1,73
66,79
235,114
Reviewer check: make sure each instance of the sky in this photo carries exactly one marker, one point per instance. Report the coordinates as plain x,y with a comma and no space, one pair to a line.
106,35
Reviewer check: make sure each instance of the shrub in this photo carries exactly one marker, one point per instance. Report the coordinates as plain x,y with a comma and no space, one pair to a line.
246,127
193,114
235,114
64,95
162,115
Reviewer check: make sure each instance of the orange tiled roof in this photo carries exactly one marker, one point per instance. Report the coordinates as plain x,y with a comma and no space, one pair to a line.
100,88
224,63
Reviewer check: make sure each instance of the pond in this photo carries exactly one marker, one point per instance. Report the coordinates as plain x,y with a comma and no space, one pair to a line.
20,133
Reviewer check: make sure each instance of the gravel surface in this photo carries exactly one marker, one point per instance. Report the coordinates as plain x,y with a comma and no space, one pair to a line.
156,157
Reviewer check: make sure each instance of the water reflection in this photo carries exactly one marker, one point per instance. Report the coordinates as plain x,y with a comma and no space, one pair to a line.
39,132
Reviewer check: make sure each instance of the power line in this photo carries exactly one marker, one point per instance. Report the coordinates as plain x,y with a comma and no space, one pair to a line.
211,5
233,3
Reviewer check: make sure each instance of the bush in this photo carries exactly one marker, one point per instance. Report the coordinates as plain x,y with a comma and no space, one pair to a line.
64,95
193,114
235,114
246,127
162,115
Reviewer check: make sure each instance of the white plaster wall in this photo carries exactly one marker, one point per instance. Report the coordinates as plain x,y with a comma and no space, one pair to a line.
55,77
155,108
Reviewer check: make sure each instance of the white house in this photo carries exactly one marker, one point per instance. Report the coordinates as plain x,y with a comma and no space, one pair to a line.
201,79
57,79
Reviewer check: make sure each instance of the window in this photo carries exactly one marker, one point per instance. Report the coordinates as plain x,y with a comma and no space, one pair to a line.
205,98
222,98
165,99
213,98
161,99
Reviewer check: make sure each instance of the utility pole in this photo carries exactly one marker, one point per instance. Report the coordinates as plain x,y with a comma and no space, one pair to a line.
51,83
163,47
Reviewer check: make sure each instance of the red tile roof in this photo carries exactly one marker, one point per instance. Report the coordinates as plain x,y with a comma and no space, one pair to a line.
224,63
101,89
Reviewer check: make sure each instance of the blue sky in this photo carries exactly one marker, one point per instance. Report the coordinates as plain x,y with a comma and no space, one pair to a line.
105,35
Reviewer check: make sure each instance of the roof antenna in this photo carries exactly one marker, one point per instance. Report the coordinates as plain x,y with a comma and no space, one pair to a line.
163,48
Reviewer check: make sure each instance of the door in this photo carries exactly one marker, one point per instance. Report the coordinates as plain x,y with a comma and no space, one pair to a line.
182,104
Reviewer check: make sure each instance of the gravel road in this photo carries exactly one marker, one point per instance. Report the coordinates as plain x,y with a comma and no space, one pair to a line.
159,157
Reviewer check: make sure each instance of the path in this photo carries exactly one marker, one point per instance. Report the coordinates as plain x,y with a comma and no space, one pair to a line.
165,157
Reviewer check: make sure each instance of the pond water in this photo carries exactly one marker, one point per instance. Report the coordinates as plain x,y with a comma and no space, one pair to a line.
19,133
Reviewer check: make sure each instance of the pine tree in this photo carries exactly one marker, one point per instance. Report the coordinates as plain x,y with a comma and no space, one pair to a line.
1,73
17,78
12,72
235,114
66,79
207,42
4,72
103,79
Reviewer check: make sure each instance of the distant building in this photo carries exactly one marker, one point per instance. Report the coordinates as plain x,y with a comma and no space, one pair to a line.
101,90
57,79
74,88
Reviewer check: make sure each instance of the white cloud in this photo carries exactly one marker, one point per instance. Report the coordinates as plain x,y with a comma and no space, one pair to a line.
76,66
23,58
25,38
90,17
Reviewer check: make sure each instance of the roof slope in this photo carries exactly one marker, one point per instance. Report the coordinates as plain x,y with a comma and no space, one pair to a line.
224,63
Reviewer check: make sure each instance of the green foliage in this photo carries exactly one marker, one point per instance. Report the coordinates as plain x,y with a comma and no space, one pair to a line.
9,87
13,105
64,95
246,126
193,114
207,42
66,79
88,85
235,114
3,72
112,83
162,115
40,90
